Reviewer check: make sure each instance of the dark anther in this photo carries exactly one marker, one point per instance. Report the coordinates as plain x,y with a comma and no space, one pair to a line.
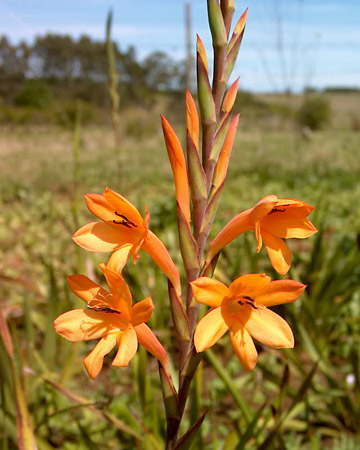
106,309
276,209
125,218
240,302
122,223
125,221
252,305
248,298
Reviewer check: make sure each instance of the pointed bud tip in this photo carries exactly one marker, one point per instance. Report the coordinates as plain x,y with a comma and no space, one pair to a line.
164,121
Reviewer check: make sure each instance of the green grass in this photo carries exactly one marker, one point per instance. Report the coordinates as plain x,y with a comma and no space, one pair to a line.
36,224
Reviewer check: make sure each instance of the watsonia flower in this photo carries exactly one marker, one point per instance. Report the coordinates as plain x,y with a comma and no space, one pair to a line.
242,308
122,224
112,317
273,219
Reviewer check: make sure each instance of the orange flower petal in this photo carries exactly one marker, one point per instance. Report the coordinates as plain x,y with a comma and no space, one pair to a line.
178,165
200,48
248,284
240,25
297,207
269,329
238,30
104,236
158,252
279,292
209,291
148,339
258,236
283,226
239,224
225,153
100,207
128,343
244,347
94,361
209,330
86,324
84,288
141,311
230,97
192,119
121,298
279,253
124,207
263,207
119,258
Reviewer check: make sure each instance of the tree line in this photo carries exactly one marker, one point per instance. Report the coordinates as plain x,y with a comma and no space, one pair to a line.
78,68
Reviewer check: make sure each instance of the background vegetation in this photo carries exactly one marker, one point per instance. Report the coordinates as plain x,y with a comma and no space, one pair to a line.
57,143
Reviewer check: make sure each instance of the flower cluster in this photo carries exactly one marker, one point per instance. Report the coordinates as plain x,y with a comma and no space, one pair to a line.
241,308
110,315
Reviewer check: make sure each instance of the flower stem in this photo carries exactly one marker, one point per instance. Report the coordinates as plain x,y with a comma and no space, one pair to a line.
204,203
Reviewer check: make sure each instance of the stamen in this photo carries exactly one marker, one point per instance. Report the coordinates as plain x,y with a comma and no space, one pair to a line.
126,222
277,209
105,309
252,305
249,298
249,301
122,223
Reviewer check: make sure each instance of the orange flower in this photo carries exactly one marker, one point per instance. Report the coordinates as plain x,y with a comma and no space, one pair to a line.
122,224
272,219
242,309
111,317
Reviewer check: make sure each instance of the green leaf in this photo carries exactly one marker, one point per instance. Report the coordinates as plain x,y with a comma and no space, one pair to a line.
238,398
187,439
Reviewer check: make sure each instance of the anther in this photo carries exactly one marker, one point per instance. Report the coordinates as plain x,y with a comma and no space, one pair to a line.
276,209
106,309
128,223
122,223
252,305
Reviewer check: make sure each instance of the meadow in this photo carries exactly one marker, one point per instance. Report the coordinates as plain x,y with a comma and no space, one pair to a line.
304,398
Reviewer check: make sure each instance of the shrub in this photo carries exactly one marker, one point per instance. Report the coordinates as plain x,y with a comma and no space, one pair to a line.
34,93
67,112
314,113
139,123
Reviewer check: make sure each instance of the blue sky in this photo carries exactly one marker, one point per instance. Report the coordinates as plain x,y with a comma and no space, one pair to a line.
288,43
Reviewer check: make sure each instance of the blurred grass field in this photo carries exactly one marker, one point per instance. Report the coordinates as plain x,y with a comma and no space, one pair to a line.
306,398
